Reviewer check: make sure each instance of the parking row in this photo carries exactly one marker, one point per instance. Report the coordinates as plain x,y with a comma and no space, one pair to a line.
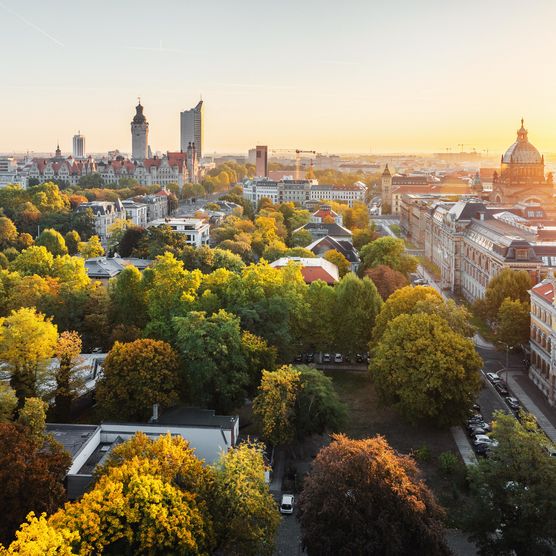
330,358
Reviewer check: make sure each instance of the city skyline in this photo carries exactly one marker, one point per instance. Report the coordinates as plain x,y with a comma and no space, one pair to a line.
396,78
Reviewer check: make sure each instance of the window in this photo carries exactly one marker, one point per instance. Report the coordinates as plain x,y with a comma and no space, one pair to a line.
521,254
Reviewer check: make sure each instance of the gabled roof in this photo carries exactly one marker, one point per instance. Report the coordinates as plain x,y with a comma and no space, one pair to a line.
327,243
312,269
325,229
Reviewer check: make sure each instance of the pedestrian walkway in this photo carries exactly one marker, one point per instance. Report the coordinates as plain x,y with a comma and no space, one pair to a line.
481,342
464,446
278,471
531,407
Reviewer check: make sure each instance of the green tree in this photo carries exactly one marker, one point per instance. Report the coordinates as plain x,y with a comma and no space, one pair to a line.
258,356
386,280
47,197
357,306
53,241
335,257
364,236
215,364
514,284
301,238
425,369
513,510
72,242
169,286
92,248
128,298
319,324
91,181
27,342
32,416
68,351
361,497
35,260
275,404
317,406
513,323
422,299
137,375
245,515
8,402
8,233
130,240
388,251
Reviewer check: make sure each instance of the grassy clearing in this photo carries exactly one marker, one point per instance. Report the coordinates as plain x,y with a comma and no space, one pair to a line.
428,444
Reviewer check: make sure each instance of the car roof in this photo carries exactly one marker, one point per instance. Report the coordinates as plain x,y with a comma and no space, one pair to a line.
287,497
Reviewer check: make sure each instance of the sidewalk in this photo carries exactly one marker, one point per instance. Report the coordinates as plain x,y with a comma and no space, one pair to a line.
464,446
544,422
278,471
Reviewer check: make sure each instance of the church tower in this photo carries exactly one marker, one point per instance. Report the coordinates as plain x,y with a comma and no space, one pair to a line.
139,134
386,191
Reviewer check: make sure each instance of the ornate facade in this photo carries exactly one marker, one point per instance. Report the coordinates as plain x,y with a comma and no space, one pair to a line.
521,178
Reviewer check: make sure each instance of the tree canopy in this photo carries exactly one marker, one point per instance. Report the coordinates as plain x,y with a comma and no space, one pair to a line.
389,251
513,508
425,369
136,376
361,497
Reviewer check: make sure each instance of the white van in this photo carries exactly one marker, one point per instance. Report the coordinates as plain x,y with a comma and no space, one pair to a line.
286,505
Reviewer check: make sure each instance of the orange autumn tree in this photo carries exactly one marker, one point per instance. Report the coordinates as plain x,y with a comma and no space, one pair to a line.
361,497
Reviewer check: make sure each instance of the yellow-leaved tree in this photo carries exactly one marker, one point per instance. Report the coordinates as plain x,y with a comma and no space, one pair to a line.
27,341
275,404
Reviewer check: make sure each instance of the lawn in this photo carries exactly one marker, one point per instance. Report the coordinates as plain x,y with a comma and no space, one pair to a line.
366,417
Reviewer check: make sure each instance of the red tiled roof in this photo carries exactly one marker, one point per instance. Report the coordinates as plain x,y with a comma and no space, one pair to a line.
546,291
312,273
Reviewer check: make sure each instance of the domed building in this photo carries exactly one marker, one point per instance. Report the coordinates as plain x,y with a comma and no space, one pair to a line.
521,179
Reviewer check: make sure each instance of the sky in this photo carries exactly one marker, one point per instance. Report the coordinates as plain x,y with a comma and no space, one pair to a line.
352,76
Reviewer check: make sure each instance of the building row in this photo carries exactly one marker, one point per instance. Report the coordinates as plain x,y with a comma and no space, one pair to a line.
302,192
141,211
173,167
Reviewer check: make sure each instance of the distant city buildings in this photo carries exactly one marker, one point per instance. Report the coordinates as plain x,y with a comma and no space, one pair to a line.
105,214
302,192
78,146
261,161
191,129
521,178
139,135
471,241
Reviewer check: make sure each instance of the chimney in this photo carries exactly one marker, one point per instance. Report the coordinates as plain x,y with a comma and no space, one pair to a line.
154,418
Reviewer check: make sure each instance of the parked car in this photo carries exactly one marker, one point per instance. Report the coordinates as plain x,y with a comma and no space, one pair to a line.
513,403
326,358
298,358
476,407
309,357
551,451
287,503
484,439
493,377
475,419
501,389
482,449
338,358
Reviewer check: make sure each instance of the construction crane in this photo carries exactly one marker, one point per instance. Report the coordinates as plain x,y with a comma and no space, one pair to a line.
298,153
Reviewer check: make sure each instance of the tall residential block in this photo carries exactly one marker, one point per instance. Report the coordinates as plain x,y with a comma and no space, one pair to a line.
191,129
261,161
78,146
139,134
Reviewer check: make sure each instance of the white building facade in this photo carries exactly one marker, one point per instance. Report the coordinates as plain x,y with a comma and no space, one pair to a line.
195,230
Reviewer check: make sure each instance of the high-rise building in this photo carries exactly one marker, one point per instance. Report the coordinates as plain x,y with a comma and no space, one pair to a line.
78,146
261,161
139,134
191,129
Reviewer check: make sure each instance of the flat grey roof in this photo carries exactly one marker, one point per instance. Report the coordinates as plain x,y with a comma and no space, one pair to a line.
72,437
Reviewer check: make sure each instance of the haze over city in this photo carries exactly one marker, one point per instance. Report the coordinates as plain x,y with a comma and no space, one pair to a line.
359,76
